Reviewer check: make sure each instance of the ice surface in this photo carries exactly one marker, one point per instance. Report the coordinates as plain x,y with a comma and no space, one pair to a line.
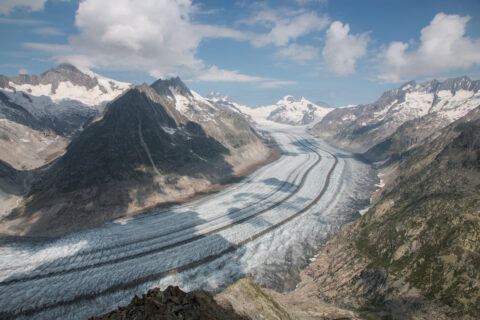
96,270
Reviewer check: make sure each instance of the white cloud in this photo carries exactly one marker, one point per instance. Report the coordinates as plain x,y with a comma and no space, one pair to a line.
284,25
159,37
216,74
342,49
298,53
443,46
48,31
22,71
7,6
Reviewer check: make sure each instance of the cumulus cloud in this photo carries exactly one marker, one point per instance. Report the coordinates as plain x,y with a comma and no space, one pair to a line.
154,36
284,25
342,49
7,6
143,35
157,36
443,46
298,53
215,74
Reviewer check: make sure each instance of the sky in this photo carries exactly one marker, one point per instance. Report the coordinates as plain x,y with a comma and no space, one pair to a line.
336,51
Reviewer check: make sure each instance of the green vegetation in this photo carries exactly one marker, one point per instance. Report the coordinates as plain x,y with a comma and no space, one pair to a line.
426,231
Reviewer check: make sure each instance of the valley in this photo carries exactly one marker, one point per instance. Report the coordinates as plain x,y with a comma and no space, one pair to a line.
264,227
239,160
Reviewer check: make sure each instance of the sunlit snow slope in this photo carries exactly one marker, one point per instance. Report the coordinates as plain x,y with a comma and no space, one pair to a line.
265,227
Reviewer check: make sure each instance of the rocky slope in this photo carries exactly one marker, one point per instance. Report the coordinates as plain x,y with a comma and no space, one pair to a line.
415,254
152,145
242,300
173,303
287,110
361,127
40,114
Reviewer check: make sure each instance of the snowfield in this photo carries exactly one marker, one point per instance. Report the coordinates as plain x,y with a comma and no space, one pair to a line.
266,227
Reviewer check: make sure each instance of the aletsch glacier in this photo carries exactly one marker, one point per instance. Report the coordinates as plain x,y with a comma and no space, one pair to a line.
206,243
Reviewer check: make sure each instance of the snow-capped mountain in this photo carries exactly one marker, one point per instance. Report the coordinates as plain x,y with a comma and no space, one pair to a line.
222,100
153,144
297,112
63,98
287,110
188,102
361,127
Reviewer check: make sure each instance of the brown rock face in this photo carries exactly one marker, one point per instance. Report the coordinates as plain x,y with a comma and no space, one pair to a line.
172,303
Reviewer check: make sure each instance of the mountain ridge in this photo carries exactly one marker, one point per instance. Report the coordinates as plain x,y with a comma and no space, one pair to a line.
362,127
287,110
145,150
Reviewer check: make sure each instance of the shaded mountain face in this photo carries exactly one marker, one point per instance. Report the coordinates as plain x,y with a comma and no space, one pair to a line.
361,127
415,253
287,110
139,135
146,149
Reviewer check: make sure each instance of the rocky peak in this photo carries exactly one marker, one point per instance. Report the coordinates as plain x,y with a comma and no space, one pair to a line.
62,73
460,83
162,87
67,72
145,102
408,85
434,86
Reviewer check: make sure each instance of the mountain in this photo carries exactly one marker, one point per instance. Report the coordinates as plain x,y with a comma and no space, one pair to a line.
297,112
287,110
63,99
361,127
152,145
219,99
415,253
40,114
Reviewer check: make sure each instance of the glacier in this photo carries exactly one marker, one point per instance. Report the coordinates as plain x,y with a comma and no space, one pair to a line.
266,227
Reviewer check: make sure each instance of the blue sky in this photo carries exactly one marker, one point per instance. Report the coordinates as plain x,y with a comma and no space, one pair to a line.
340,52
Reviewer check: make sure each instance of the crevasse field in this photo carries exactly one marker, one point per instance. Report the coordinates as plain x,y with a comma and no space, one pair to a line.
265,227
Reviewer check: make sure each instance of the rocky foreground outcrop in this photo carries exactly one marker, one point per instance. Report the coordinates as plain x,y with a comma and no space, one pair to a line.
172,303
242,300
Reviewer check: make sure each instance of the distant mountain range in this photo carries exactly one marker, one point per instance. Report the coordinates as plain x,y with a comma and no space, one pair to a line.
151,145
431,105
287,110
62,99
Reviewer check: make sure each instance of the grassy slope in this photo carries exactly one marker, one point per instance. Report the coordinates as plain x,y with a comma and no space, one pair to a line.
426,231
